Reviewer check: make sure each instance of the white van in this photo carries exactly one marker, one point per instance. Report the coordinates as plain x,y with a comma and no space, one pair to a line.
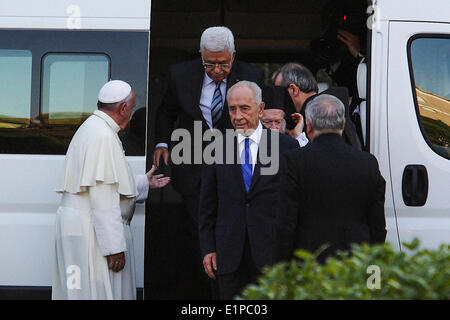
54,58
407,115
55,55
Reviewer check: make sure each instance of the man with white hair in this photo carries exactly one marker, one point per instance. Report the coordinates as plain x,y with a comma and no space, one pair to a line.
239,201
331,193
93,256
196,93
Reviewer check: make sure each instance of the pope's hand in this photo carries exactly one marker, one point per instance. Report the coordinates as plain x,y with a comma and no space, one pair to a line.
156,181
116,262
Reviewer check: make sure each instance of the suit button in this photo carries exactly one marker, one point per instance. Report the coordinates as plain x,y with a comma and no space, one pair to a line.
247,205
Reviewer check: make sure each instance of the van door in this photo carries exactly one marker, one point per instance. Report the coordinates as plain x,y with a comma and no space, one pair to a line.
419,129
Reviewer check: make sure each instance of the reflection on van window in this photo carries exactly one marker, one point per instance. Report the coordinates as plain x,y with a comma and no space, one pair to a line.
69,89
430,58
70,85
15,88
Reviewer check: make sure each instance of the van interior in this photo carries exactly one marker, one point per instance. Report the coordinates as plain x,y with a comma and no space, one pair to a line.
267,33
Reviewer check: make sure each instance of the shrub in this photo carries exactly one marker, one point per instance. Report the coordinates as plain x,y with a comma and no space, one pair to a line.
418,274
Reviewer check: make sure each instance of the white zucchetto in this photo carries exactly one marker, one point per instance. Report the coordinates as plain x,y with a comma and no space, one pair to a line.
114,91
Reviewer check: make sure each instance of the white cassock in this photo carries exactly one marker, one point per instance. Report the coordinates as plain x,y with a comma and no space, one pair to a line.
99,194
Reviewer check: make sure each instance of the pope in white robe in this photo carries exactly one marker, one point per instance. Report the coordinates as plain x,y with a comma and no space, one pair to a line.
93,256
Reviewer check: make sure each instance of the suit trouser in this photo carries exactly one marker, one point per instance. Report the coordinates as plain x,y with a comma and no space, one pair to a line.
231,284
201,285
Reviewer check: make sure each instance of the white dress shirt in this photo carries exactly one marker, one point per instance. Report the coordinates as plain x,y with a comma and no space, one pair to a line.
255,138
302,139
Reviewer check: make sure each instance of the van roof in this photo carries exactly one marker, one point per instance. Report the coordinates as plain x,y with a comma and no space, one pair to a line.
98,14
413,10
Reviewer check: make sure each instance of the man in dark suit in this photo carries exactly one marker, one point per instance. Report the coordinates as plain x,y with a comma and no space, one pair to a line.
302,87
196,99
331,193
239,201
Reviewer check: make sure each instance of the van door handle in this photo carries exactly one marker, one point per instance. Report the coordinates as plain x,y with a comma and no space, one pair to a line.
415,185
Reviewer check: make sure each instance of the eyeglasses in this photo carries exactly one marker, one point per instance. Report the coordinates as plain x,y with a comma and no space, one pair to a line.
222,66
269,122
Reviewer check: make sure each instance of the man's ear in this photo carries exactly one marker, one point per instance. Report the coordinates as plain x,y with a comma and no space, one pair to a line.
261,106
122,107
308,125
261,109
343,124
295,89
309,130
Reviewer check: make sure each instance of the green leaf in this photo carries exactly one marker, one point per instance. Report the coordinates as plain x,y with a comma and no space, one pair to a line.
303,254
420,274
413,245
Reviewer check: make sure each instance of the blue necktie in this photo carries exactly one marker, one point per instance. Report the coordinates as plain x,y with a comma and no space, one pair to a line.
216,105
246,165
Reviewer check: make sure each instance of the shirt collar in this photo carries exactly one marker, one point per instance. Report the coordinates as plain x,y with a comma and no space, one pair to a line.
207,80
254,137
110,121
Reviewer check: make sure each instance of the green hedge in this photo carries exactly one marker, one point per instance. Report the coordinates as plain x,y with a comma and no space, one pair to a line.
418,274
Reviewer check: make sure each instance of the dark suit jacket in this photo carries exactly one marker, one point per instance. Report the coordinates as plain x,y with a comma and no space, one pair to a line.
331,193
227,211
181,102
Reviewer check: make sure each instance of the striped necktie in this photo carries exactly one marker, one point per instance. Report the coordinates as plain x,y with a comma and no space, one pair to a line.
216,105
246,165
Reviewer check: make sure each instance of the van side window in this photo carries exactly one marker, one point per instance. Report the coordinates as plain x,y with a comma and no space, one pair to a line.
69,89
15,93
430,64
49,84
70,85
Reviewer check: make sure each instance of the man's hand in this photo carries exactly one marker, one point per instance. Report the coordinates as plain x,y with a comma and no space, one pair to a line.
156,181
116,262
160,151
210,262
299,124
350,40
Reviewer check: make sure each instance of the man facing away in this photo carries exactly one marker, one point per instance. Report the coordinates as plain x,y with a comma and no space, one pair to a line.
331,193
93,257
239,201
196,93
302,87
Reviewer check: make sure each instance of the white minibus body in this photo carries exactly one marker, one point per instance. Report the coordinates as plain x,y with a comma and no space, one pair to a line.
54,57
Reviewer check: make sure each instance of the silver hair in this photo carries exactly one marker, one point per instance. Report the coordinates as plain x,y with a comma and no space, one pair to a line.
299,75
257,96
325,112
217,39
